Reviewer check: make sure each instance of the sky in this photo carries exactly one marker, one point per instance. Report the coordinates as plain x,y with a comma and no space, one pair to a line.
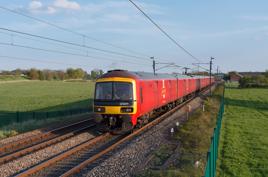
235,33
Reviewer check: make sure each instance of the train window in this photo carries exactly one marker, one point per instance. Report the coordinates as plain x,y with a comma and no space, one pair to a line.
123,91
119,91
104,91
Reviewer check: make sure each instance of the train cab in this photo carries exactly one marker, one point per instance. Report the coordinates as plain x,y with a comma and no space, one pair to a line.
115,101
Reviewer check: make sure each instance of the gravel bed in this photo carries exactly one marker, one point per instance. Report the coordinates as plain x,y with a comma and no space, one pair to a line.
14,166
130,157
19,137
41,130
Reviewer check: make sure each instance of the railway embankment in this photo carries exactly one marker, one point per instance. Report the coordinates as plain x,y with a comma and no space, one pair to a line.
184,152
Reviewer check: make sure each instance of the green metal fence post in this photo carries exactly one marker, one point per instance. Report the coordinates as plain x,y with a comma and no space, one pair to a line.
209,164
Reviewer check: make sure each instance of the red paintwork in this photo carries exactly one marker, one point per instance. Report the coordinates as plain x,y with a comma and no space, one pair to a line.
159,92
156,91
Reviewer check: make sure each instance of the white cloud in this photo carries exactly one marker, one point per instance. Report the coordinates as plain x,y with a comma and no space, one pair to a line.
34,5
51,10
38,7
66,4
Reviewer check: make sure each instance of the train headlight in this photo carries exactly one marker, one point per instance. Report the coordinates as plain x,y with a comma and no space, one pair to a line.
127,110
99,109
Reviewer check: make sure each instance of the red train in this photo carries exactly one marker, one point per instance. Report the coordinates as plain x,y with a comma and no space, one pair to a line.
126,99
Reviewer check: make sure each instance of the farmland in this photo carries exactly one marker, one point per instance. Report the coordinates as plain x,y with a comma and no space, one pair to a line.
44,95
244,141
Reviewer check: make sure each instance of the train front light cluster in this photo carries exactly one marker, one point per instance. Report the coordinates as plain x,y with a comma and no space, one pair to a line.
99,109
127,110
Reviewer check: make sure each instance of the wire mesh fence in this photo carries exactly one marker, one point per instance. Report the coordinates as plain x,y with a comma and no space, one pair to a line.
7,118
212,155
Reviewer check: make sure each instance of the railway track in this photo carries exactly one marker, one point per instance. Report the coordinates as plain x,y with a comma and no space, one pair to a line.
31,144
86,154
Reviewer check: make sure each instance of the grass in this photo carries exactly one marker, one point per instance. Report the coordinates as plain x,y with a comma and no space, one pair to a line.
193,138
244,137
39,96
45,95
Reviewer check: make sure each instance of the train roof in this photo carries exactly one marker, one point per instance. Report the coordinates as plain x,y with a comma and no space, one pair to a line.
145,75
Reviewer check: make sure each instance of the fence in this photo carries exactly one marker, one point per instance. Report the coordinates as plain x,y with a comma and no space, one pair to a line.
212,154
7,118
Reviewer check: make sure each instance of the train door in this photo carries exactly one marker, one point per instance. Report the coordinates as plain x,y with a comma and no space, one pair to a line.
155,91
141,90
177,88
198,86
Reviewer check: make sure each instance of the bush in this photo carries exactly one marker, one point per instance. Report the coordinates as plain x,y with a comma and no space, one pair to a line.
259,81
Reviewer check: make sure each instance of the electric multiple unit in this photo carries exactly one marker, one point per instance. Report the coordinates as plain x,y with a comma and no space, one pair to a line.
126,99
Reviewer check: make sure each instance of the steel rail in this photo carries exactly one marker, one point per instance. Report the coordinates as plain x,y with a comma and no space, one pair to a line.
89,161
64,155
31,149
99,139
38,138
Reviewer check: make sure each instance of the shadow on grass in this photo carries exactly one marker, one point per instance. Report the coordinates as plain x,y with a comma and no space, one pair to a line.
86,103
247,103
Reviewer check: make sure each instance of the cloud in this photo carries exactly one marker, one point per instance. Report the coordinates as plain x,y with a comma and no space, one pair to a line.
66,4
38,7
34,5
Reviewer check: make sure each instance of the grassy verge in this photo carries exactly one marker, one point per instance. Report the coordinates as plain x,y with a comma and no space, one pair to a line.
193,141
244,140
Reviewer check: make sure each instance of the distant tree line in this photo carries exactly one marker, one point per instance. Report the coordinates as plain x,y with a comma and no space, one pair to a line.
254,81
70,73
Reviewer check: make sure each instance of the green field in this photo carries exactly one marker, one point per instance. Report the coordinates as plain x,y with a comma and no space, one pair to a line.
44,95
244,137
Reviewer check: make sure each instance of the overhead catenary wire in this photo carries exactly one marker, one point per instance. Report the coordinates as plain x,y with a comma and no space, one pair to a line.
74,44
50,42
62,52
163,31
38,61
71,31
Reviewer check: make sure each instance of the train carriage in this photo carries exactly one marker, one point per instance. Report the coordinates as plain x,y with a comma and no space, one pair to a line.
126,99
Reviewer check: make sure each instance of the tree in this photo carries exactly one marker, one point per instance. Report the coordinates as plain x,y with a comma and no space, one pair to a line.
70,73
18,72
266,73
41,75
75,73
33,74
96,73
61,75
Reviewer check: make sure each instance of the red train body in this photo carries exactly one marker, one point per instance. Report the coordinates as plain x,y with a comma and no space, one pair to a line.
146,92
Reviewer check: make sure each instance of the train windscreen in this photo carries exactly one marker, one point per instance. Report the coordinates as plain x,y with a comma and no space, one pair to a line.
118,91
